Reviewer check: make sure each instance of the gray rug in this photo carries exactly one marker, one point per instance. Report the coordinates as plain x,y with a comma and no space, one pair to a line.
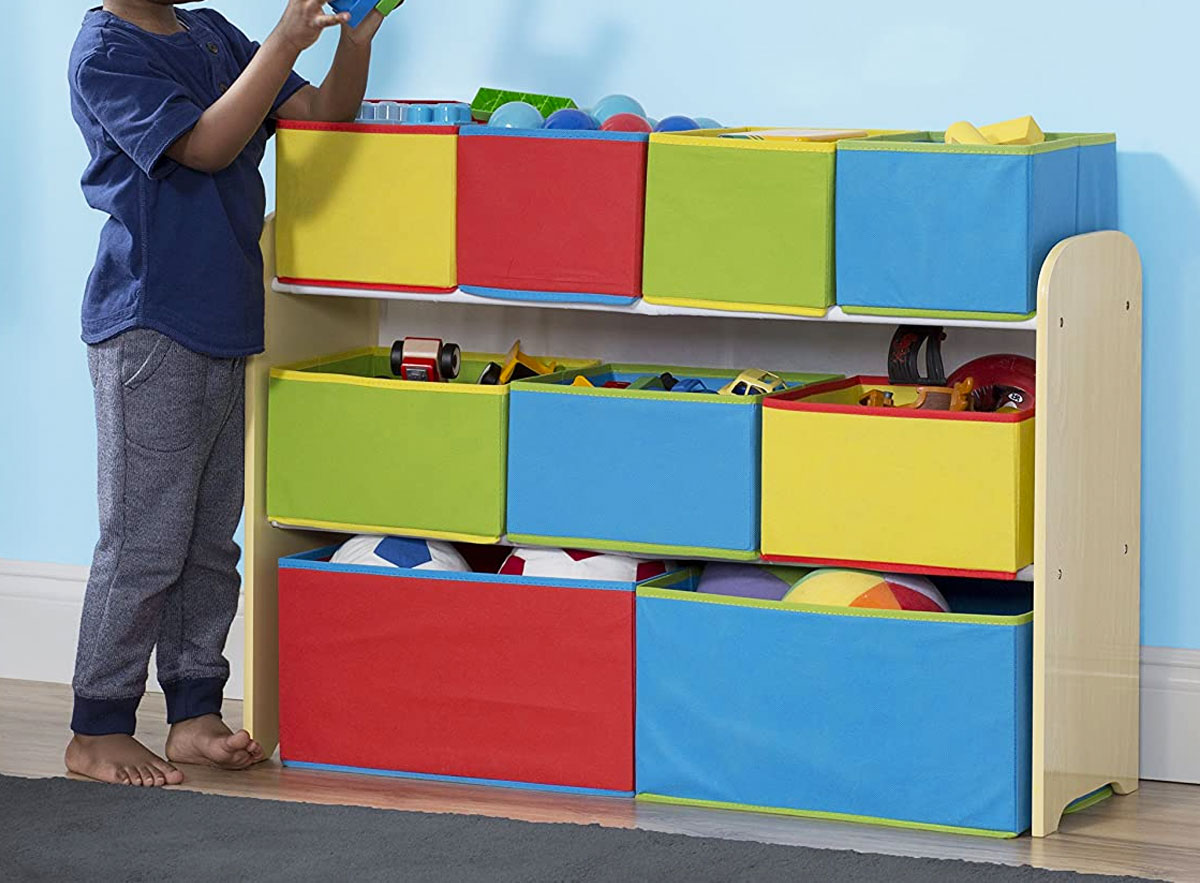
56,829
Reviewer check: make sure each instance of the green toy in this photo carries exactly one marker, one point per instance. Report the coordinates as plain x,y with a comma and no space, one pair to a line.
487,100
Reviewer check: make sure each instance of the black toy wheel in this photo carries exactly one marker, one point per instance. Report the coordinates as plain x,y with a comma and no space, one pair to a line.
450,361
491,375
397,360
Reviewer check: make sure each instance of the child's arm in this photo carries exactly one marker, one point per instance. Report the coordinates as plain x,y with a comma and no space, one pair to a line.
341,94
225,128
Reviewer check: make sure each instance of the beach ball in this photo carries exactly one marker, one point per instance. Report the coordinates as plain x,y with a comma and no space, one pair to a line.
708,123
626,122
404,552
611,105
858,588
574,564
677,124
768,583
516,115
572,118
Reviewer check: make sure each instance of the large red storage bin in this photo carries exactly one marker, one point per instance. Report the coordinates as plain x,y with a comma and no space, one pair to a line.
551,215
466,677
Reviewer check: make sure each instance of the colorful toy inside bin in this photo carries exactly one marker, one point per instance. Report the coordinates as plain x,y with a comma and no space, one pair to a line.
354,448
739,221
616,458
927,228
893,488
368,204
551,214
467,677
916,719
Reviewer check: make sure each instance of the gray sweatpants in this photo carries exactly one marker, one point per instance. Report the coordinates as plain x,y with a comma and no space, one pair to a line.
169,431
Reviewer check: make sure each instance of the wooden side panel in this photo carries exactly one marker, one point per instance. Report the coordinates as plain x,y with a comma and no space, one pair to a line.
297,328
1088,492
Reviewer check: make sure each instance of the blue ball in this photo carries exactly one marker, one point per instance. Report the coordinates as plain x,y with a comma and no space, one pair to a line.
571,118
677,124
708,123
611,105
516,115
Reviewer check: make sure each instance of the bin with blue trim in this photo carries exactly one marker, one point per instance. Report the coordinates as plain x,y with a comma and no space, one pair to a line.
609,465
466,677
920,720
551,215
926,228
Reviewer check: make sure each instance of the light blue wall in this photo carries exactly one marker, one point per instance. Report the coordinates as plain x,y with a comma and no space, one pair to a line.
1076,65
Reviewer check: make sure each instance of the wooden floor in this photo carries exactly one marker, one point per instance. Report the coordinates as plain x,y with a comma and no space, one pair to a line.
1152,833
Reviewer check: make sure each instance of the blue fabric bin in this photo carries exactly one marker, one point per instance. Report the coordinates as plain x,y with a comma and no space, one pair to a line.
932,229
636,470
912,719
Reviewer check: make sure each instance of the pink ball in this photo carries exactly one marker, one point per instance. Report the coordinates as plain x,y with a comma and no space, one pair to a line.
626,122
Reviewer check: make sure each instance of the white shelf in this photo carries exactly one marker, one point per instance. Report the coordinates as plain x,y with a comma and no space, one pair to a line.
1024,576
642,308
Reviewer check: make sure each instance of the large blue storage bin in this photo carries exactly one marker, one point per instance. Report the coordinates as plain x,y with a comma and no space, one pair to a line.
914,719
928,228
645,471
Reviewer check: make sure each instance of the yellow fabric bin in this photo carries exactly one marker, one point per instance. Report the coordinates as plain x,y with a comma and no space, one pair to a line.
362,205
893,488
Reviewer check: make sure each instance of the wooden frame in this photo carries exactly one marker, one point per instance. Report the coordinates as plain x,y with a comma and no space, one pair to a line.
1086,576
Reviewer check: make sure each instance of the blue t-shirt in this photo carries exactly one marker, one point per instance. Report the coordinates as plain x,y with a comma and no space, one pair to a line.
180,251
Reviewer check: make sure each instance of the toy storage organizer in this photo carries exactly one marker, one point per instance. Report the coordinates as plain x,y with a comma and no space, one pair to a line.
471,677
367,205
739,224
934,229
915,719
895,488
354,448
551,215
657,472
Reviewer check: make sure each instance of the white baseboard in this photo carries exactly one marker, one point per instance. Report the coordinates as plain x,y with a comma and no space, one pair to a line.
40,605
39,619
1170,714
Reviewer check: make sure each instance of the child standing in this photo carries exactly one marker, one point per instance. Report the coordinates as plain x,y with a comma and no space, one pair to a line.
176,109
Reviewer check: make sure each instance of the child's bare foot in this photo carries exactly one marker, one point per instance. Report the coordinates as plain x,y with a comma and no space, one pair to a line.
119,760
207,741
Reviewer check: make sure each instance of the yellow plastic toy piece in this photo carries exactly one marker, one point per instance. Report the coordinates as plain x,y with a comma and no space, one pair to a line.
583,381
964,133
1023,130
753,383
517,359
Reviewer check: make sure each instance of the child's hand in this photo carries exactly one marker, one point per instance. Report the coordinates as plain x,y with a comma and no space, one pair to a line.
303,22
366,30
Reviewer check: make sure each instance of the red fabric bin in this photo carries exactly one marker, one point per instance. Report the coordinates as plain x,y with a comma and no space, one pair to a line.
551,215
468,677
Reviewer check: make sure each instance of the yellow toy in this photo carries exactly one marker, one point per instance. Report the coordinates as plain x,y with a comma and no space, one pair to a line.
583,381
752,383
1023,130
519,365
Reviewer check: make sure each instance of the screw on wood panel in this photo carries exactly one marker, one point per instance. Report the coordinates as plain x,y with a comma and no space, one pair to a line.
1126,304
1060,321
1060,573
1127,548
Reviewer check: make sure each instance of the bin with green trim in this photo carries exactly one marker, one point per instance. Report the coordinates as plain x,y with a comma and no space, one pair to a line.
921,720
738,223
926,228
350,447
615,465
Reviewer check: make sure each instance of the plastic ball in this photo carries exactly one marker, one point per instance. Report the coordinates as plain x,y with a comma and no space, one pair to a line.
677,124
403,552
859,588
516,115
768,583
572,118
626,122
708,123
573,564
611,105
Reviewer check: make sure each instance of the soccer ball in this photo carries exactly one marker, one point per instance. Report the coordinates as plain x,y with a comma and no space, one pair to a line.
404,552
573,564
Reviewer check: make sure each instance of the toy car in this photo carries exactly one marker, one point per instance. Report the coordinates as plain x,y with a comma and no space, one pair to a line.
426,359
753,383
